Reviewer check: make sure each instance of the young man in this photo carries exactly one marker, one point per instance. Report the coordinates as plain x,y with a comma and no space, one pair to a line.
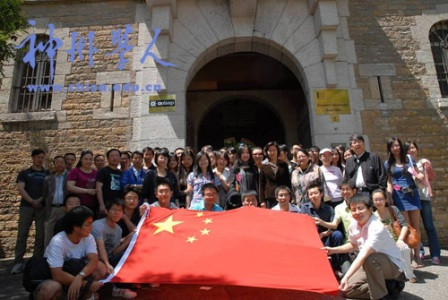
257,155
148,156
164,192
108,180
342,214
29,185
70,201
54,191
70,160
99,161
379,258
250,198
110,245
283,195
365,168
75,242
210,195
125,160
320,211
135,176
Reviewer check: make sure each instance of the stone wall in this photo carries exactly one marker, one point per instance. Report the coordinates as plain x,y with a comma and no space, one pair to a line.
83,120
388,57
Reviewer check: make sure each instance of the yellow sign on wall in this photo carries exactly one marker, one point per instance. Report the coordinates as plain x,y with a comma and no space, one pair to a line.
162,103
332,102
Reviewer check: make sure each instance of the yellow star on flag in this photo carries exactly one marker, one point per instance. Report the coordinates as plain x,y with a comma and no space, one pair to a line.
191,239
199,214
166,225
205,231
208,221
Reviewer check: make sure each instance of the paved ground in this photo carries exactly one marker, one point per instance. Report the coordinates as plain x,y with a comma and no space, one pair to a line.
433,284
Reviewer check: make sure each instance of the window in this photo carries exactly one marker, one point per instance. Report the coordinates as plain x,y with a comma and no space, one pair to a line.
438,37
26,100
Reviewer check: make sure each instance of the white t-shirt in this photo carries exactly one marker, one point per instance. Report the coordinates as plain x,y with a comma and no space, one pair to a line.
376,236
61,249
333,178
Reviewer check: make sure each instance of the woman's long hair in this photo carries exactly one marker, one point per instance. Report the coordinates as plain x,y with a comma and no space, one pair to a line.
390,157
197,170
83,153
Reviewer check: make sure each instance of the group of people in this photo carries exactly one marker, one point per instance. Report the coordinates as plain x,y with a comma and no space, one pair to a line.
339,188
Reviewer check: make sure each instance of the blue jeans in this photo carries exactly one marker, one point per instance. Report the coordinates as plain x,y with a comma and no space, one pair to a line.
334,240
428,223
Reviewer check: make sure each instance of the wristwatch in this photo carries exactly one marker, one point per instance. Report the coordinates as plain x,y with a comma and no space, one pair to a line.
83,275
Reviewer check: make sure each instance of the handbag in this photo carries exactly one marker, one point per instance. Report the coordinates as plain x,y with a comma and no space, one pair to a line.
412,239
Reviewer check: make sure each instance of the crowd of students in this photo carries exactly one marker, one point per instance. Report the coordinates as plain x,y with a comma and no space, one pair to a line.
339,188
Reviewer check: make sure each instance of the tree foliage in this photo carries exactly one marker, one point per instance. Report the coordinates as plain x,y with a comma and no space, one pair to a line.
11,22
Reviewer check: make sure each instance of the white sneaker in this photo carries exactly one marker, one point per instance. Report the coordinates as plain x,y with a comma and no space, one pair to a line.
18,268
123,293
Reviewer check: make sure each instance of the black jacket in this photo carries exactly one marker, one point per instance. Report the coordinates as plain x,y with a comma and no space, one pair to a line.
373,171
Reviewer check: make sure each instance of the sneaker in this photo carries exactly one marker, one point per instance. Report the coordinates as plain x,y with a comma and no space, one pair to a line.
17,268
123,293
422,256
435,260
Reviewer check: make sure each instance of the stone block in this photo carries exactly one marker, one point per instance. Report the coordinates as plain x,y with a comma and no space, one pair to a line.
342,74
374,88
113,77
301,37
105,114
144,34
294,14
326,16
379,69
191,17
185,40
267,16
243,26
245,8
328,44
315,75
342,31
142,13
216,12
343,8
243,47
330,73
309,55
162,19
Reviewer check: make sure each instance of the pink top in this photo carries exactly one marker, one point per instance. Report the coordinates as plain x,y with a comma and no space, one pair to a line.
85,181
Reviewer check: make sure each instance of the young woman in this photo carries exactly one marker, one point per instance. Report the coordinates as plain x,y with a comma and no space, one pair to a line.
337,159
231,152
81,181
383,213
202,174
131,215
424,166
331,177
272,174
222,172
283,156
173,163
161,172
185,168
305,173
401,187
243,178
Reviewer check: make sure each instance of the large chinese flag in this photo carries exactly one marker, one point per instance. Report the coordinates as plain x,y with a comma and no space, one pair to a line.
244,247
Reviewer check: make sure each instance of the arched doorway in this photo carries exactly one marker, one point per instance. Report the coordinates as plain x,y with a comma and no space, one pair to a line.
240,120
246,95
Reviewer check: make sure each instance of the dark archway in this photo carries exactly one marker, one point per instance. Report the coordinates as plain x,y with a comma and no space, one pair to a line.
240,120
249,96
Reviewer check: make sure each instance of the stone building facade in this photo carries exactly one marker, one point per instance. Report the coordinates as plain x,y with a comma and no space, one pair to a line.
274,55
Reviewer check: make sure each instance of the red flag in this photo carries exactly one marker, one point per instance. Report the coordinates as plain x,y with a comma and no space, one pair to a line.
245,247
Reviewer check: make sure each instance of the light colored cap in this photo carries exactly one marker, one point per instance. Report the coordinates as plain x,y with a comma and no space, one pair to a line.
325,150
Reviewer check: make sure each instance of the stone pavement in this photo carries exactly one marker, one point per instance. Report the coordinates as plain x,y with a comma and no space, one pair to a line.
432,284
